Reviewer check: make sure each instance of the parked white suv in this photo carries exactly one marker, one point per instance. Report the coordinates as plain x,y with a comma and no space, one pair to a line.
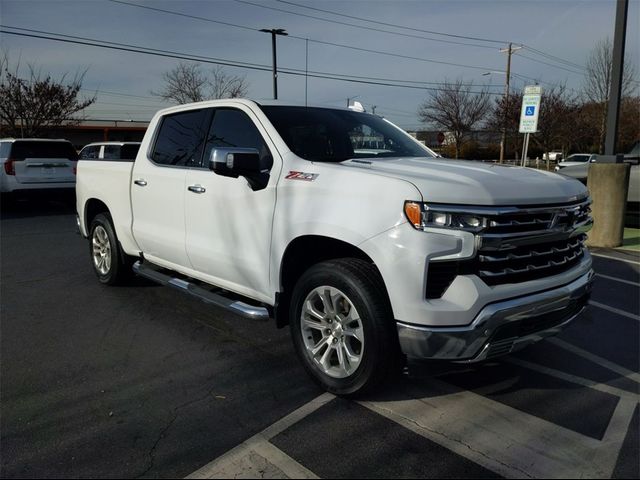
33,164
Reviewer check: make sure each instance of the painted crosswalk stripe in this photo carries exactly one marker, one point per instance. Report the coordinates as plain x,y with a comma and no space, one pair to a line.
257,457
616,279
615,310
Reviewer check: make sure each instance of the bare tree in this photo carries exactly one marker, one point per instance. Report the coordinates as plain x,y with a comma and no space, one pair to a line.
597,82
507,115
184,84
457,109
29,105
223,85
188,83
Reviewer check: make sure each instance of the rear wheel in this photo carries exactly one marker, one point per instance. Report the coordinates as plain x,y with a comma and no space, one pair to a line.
110,263
342,326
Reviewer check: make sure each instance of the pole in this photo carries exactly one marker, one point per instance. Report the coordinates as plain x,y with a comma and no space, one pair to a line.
613,109
275,67
274,32
306,71
525,149
503,139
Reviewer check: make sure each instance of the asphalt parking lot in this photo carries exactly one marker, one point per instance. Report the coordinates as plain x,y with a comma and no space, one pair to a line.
141,381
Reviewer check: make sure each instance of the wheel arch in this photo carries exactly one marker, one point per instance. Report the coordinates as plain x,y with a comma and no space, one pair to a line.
304,252
92,208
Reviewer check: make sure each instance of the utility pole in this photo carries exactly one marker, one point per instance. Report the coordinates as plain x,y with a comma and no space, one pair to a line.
503,140
274,32
613,110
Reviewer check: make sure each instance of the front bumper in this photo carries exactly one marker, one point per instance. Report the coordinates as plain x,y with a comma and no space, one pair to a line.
500,328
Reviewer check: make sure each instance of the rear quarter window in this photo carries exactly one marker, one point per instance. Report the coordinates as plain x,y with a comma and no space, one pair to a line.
5,148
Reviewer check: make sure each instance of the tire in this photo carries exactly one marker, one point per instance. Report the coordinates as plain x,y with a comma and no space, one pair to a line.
110,264
342,327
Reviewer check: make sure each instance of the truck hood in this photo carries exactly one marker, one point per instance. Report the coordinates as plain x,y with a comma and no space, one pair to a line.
475,183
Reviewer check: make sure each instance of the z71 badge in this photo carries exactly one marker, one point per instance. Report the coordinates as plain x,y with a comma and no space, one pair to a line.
308,177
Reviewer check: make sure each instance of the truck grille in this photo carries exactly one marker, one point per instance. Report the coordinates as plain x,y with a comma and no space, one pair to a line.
518,244
530,262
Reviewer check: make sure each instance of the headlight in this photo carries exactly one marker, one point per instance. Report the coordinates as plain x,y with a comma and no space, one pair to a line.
422,216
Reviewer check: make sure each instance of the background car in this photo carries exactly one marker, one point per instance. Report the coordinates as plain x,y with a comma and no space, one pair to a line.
34,164
576,159
553,155
110,151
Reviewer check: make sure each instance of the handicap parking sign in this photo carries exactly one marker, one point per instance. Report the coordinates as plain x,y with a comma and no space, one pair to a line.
530,111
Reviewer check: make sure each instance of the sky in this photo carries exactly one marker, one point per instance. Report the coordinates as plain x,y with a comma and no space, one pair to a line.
396,42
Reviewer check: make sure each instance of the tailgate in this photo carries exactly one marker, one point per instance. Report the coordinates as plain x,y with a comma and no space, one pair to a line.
45,170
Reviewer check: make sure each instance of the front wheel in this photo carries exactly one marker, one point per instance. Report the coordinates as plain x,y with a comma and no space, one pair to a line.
342,326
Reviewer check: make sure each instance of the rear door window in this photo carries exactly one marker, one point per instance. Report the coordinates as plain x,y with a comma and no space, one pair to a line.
129,152
90,153
181,139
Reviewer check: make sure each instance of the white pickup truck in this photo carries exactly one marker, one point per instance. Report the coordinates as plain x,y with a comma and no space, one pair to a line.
370,255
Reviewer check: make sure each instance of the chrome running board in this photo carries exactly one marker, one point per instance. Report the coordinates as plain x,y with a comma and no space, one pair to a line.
214,298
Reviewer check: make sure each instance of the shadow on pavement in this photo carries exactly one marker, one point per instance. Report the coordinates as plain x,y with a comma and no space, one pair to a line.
37,204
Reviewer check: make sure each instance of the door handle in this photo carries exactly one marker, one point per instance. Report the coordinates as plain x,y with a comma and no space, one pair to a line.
196,189
140,182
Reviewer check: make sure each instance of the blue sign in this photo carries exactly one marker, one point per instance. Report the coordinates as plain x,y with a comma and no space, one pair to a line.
530,111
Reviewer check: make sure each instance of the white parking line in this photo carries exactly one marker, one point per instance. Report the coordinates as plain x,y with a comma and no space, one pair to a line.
504,440
616,433
614,367
624,313
602,387
258,458
635,262
609,277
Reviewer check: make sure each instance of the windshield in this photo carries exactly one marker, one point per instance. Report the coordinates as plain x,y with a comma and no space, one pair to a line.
330,135
578,158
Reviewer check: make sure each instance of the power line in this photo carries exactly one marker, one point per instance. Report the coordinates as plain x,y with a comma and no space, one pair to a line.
553,57
236,63
130,48
170,54
398,55
551,65
405,27
118,94
321,42
194,17
393,25
361,26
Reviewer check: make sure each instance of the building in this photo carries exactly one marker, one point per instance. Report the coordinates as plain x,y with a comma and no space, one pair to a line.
88,131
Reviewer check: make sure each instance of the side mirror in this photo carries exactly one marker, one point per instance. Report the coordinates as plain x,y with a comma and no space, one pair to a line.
237,162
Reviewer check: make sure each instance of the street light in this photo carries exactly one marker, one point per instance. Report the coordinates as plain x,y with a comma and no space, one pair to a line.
274,32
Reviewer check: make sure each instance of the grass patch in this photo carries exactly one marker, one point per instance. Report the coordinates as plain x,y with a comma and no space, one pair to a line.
631,239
